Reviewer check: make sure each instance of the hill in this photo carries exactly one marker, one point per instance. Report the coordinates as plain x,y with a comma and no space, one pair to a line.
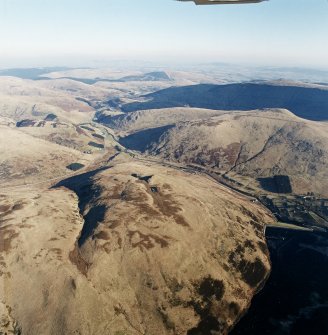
96,238
26,159
30,73
107,251
25,99
306,101
146,119
258,144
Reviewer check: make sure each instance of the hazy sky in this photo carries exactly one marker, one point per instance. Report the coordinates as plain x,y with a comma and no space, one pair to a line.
278,32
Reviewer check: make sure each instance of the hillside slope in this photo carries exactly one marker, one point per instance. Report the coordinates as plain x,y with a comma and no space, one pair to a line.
147,119
110,253
258,144
306,101
26,99
27,159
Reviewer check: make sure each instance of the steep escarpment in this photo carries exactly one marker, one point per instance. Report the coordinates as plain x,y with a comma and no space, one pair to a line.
132,249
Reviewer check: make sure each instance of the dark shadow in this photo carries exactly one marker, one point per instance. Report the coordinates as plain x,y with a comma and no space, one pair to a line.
142,178
205,327
87,191
142,140
305,102
75,166
276,184
25,123
91,221
50,117
96,145
294,300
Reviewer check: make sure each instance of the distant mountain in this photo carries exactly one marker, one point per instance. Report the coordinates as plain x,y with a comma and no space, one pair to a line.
151,76
307,101
25,99
30,73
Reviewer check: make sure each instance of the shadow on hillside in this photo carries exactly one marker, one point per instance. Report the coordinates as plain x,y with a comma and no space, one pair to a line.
142,140
305,102
276,184
87,191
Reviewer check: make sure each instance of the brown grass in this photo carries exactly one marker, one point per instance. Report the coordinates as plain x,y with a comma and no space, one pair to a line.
7,236
102,235
168,207
147,241
4,208
77,259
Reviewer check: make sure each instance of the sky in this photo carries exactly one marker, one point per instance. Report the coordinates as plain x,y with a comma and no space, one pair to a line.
85,32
